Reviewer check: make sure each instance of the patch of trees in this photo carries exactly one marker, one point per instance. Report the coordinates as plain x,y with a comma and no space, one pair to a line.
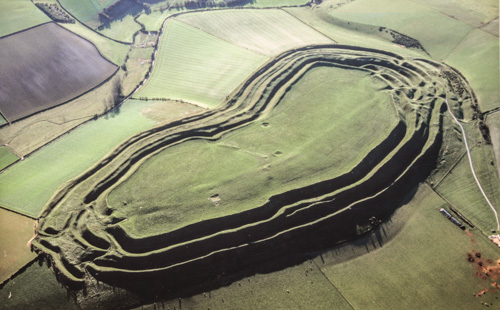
200,4
55,13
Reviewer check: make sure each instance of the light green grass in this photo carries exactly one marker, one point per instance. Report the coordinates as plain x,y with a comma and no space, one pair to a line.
122,29
268,32
197,67
6,157
423,267
460,188
319,20
439,34
277,3
111,50
154,20
29,184
313,134
15,231
17,15
471,12
36,288
478,59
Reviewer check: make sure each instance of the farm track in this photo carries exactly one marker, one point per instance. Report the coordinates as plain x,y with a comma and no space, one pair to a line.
80,234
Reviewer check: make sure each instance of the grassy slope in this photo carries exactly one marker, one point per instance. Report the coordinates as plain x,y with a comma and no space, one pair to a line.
493,122
122,29
255,162
6,157
29,184
17,15
424,267
461,190
406,16
471,12
318,20
268,32
15,231
299,287
35,288
477,58
83,10
201,75
111,50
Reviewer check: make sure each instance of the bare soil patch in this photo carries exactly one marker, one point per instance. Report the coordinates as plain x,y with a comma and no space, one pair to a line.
47,66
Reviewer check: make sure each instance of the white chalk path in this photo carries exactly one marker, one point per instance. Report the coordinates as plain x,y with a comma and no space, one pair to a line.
471,166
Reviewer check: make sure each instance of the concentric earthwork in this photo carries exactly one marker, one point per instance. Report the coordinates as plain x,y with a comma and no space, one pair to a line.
84,239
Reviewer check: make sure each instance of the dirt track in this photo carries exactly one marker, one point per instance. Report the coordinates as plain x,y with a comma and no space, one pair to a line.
79,233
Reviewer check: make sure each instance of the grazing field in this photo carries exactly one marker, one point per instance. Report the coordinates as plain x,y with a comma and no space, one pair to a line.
56,66
319,19
477,57
493,122
299,287
460,189
10,12
6,157
111,50
439,35
26,192
15,231
424,266
121,29
277,31
85,10
36,288
215,70
246,167
472,12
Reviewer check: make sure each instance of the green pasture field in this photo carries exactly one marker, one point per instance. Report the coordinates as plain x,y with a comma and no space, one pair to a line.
15,231
28,185
154,20
249,165
298,287
83,10
424,266
66,66
138,64
319,20
6,157
10,12
439,34
472,12
277,3
204,76
36,288
492,27
111,50
2,120
461,190
477,57
269,32
493,122
122,29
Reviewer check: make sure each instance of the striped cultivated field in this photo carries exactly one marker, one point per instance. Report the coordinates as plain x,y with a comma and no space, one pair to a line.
194,66
268,32
88,238
47,66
